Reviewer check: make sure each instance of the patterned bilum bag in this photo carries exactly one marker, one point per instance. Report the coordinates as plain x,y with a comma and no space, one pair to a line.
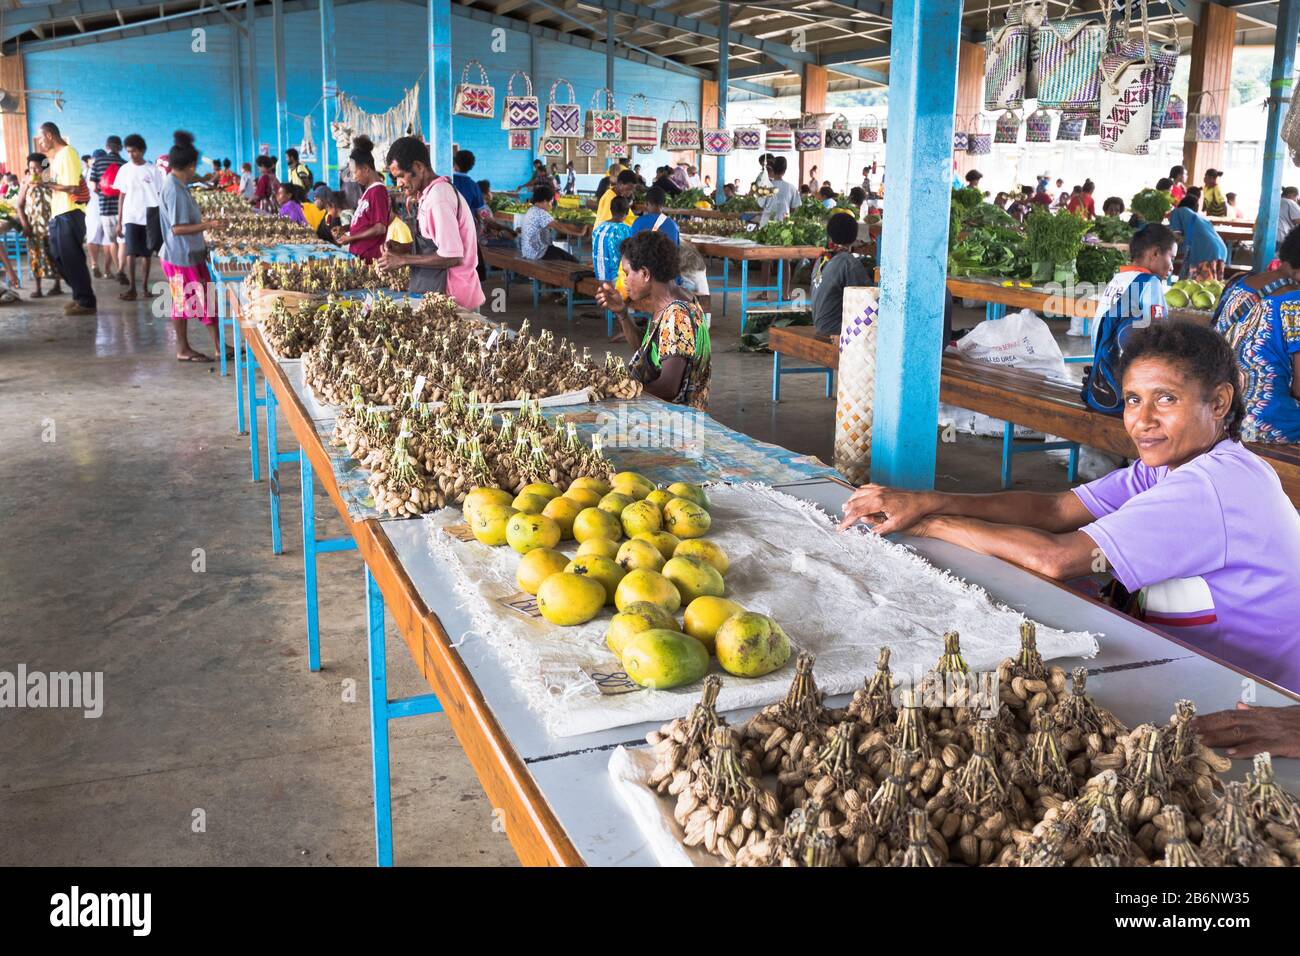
604,124
978,142
1008,128
563,120
1038,127
747,136
1163,58
474,99
520,112
1204,122
520,138
640,129
838,135
1068,62
1127,85
716,139
552,146
869,130
1175,113
1006,67
808,135
779,139
1070,129
960,135
680,134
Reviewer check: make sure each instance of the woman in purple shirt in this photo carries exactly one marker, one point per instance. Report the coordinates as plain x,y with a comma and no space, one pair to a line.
289,196
1198,530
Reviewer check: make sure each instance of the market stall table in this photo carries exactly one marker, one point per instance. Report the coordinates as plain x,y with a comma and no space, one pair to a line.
746,251
554,793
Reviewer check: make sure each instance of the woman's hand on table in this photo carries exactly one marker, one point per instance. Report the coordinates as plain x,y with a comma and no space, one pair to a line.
889,509
389,260
1248,730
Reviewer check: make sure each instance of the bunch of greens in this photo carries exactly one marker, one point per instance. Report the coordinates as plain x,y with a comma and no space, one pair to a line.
1053,238
793,231
503,202
688,199
740,204
1111,229
987,214
1152,204
1098,265
811,208
578,215
966,199
987,251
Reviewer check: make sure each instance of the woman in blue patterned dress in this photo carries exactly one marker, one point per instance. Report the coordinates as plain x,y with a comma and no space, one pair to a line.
1259,315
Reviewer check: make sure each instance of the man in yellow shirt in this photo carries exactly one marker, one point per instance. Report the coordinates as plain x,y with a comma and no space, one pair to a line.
67,236
624,186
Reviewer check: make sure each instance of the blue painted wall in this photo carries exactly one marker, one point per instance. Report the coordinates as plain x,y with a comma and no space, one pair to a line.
153,85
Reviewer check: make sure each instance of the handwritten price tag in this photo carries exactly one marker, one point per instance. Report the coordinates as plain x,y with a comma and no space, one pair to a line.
461,532
612,680
521,603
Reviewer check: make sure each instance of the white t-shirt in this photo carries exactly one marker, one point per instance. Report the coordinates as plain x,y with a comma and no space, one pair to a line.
141,186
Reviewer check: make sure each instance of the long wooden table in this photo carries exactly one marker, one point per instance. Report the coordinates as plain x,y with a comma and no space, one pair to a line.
745,252
555,800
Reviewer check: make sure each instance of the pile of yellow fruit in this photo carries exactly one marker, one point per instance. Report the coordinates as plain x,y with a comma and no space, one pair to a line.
664,564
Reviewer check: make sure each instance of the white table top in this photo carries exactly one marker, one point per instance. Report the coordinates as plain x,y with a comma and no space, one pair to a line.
1138,675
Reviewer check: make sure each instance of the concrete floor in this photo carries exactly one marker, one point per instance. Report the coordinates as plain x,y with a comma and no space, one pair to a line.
216,745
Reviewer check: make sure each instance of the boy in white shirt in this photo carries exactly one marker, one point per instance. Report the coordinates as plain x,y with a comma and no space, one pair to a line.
139,229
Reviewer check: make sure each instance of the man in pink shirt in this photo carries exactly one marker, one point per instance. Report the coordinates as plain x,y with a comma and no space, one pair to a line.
445,257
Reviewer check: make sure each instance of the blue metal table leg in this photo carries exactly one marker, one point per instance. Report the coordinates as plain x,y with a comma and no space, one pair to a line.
568,305
744,292
309,559
378,667
609,324
221,320
830,382
780,273
250,371
1074,462
776,376
1008,433
273,469
536,293
726,283
239,377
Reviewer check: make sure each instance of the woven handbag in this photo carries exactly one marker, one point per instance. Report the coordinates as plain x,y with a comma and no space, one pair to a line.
1175,113
616,150
680,134
978,142
1006,68
563,120
1008,128
1038,127
869,130
520,112
808,135
1092,124
1068,54
960,136
1127,86
520,139
1204,123
838,134
747,137
474,99
552,146
779,139
1163,58
1032,15
645,149
716,139
603,124
586,147
1070,129
640,129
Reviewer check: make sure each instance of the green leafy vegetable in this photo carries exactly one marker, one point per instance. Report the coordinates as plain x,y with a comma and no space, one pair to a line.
1098,265
1152,204
1053,238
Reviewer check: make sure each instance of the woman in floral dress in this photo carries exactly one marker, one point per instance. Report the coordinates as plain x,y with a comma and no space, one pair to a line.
33,205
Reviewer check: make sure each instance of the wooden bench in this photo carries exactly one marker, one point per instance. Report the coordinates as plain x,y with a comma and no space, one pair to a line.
1056,408
804,342
556,273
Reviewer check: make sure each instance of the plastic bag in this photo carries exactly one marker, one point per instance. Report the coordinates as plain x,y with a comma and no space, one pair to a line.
1020,340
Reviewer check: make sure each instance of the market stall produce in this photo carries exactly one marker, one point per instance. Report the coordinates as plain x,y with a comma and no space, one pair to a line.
1028,771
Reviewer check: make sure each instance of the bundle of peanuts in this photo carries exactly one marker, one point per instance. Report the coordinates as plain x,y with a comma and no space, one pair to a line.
1035,773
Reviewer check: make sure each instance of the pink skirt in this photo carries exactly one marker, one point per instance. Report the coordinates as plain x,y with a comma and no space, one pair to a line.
189,287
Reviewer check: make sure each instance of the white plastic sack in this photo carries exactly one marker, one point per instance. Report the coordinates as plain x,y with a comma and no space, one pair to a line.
1021,340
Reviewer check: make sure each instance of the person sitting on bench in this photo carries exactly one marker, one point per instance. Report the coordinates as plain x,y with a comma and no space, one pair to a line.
535,230
836,268
1198,532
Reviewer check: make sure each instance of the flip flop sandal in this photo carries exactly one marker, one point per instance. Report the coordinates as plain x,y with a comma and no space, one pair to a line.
196,357
127,296
38,294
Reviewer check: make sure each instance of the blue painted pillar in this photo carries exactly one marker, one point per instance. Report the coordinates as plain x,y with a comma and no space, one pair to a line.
537,88
609,51
1275,151
237,92
329,86
281,97
922,95
441,87
724,80
253,125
